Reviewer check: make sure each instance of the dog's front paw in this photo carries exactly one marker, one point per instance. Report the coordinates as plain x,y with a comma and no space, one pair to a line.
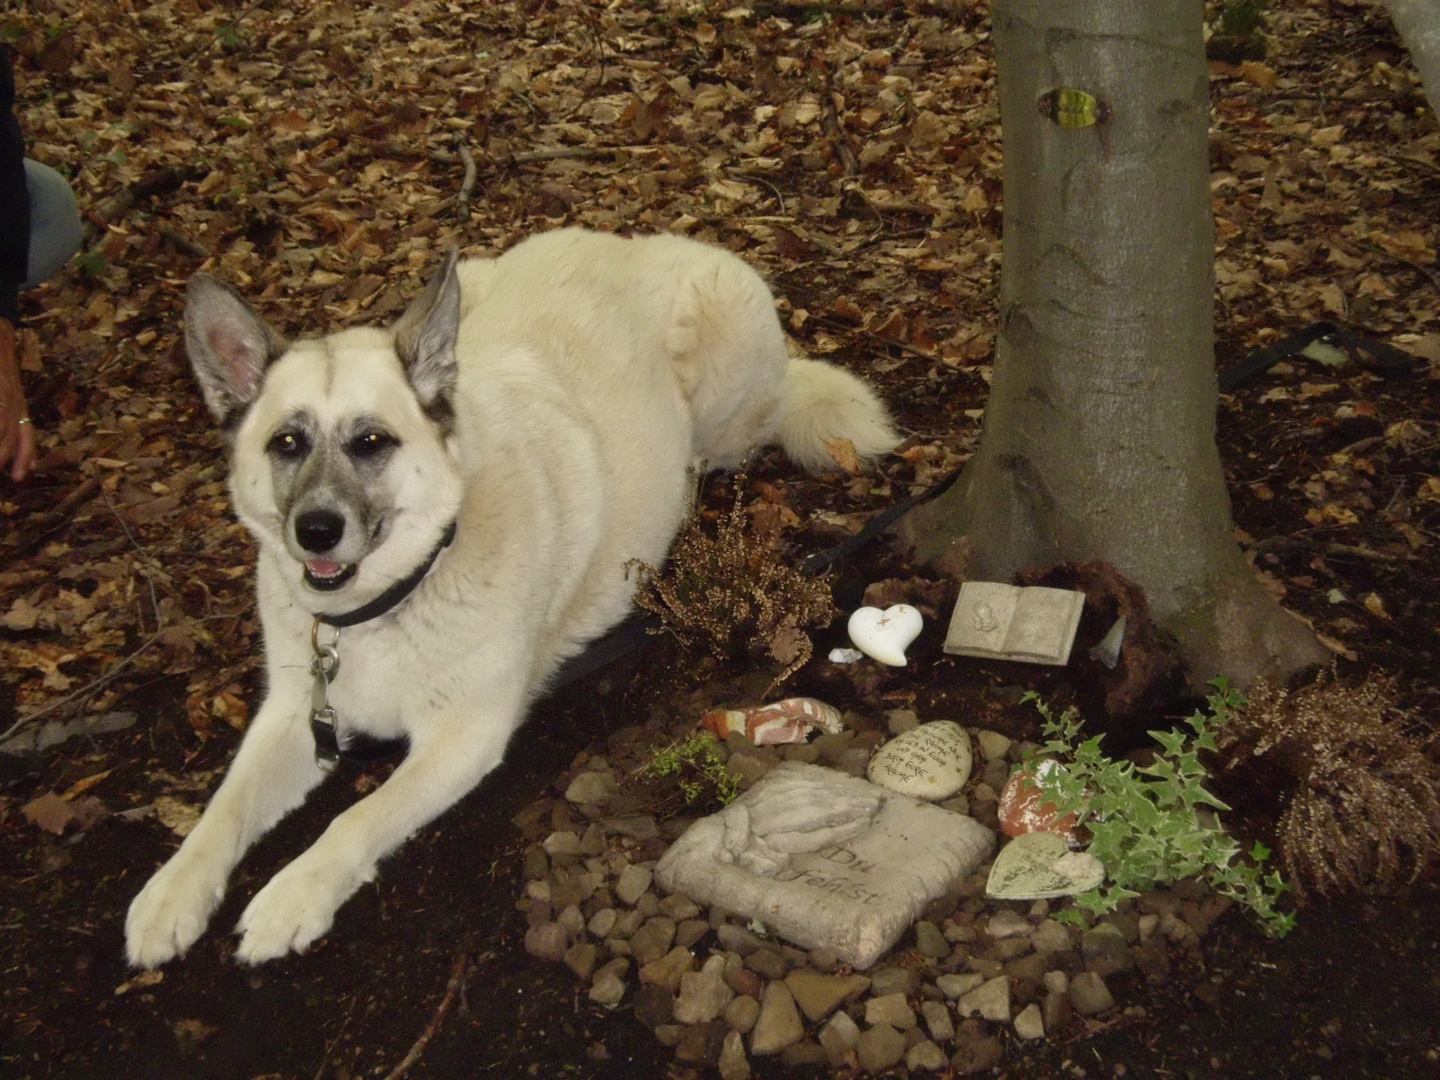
288,914
171,911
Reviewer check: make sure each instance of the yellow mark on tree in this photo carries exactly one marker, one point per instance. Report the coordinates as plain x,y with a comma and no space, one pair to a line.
1072,108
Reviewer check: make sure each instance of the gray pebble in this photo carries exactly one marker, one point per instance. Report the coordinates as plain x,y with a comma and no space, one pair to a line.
1007,924
937,1021
690,931
900,721
978,1057
952,986
741,1013
1028,1023
894,980
925,1055
991,1000
1057,1011
1089,994
880,1047
653,1005
1050,937
679,907
748,767
591,788
930,941
627,923
703,994
802,1054
634,880
819,995
1105,949
571,920
854,762
734,1065
608,986
653,940
581,958
592,843
602,922
547,940
830,747
1030,967
838,1038
668,970
635,826
767,964
993,745
823,960
778,1024
892,1009
738,940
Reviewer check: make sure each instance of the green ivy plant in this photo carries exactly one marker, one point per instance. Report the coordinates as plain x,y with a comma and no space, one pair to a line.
1154,824
698,764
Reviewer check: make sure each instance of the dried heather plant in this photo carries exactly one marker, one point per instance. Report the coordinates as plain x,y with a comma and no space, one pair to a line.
732,594
1365,810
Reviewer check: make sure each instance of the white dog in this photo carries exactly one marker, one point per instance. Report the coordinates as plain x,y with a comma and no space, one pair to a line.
544,410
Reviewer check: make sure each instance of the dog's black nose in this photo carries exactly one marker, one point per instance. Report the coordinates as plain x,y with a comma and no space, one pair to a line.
319,530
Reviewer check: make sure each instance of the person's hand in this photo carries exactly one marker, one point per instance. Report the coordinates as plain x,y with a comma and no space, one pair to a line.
17,433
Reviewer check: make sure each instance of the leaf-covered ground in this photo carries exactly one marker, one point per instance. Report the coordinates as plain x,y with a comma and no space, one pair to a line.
317,155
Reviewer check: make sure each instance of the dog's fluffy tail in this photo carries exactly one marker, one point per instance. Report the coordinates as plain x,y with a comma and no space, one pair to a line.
824,403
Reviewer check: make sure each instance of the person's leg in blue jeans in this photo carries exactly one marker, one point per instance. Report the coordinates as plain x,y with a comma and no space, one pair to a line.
54,222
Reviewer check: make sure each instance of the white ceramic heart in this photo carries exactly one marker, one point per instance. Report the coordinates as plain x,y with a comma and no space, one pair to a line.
885,635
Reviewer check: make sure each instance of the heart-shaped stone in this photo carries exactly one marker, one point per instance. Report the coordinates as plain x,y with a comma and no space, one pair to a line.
885,635
931,761
1040,865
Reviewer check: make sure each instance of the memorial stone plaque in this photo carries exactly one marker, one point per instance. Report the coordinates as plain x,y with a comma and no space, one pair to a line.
825,860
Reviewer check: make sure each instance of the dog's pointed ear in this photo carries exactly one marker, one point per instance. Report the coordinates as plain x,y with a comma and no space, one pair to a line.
425,336
229,344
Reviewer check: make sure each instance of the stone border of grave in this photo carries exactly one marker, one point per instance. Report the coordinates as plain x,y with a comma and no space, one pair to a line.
971,973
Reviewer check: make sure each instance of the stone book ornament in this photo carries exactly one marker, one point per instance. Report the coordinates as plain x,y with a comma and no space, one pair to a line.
825,860
1007,622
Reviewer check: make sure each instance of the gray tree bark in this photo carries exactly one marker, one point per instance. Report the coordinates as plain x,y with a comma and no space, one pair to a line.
1419,24
1098,440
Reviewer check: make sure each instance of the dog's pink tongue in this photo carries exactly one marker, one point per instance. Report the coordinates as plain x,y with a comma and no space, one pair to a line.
323,569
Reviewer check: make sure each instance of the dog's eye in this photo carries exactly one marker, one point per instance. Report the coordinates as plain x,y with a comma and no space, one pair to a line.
288,444
371,443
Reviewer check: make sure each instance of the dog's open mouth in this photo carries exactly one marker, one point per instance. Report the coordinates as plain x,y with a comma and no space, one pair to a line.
326,576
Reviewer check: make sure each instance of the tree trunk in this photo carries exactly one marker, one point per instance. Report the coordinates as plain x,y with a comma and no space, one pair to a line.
1419,24
1099,433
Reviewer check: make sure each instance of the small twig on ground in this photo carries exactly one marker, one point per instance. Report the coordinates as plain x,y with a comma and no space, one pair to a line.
330,1046
453,989
38,528
111,210
837,133
467,185
184,244
1430,274
554,153
755,177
